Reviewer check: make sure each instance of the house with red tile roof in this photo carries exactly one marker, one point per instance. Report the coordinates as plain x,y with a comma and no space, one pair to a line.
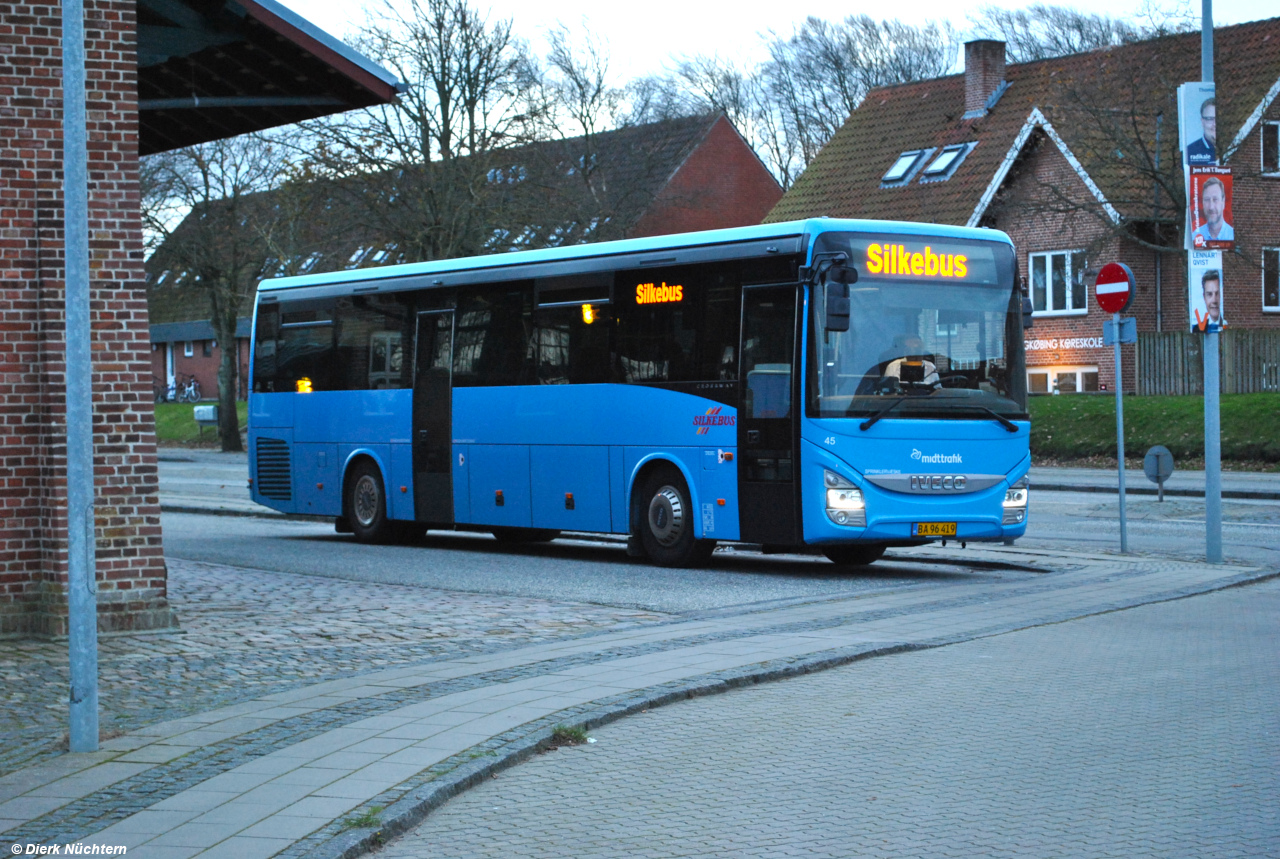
1077,159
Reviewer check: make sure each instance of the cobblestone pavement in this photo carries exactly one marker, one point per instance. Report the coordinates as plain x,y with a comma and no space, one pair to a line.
247,633
279,774
1148,732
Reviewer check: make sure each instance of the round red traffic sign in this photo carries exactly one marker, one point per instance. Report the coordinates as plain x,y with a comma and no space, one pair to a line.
1114,287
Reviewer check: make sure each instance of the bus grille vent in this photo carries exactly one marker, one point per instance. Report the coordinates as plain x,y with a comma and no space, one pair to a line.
274,479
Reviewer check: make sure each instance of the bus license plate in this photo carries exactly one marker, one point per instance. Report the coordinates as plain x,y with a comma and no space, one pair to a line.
933,529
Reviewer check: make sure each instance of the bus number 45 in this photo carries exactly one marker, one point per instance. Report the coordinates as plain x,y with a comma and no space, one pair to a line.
831,440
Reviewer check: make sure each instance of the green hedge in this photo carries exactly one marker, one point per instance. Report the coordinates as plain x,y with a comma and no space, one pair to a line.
1074,426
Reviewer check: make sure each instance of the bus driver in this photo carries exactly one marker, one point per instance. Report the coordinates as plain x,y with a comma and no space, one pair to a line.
912,368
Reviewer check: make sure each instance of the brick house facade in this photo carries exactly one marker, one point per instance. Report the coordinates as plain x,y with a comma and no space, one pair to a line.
1051,153
130,569
184,349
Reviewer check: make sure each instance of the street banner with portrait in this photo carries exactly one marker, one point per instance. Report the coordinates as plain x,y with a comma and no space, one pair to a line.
1204,291
1209,207
1197,124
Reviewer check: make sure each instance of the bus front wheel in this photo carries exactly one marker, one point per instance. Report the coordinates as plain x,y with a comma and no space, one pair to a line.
854,556
366,504
666,522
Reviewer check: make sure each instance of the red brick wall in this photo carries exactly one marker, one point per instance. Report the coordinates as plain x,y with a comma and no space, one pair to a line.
721,184
1256,206
130,564
1020,210
1024,211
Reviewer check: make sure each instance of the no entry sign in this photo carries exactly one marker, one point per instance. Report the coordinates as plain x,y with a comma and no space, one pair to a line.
1114,287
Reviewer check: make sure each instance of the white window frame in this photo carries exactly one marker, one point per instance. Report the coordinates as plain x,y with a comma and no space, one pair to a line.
1052,372
920,155
1272,126
1071,257
188,349
961,151
1270,308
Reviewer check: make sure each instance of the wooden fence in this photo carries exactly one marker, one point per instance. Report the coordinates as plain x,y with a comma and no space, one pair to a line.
1172,362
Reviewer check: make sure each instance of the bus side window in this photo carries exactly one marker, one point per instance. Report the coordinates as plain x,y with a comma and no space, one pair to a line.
494,342
304,346
264,349
678,324
371,335
568,349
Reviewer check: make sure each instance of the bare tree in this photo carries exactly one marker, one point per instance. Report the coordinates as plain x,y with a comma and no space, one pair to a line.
419,170
820,74
1042,31
205,213
1120,120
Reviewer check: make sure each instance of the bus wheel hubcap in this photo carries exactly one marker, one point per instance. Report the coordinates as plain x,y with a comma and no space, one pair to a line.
666,516
366,500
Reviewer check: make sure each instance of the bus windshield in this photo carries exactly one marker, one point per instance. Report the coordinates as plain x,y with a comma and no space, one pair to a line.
937,345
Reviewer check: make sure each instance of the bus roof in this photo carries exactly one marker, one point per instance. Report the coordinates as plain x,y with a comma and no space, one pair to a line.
810,227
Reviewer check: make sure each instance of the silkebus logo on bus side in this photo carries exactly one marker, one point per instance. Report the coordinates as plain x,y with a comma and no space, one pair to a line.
713,418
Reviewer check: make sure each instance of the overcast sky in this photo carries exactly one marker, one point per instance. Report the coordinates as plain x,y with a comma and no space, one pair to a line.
643,38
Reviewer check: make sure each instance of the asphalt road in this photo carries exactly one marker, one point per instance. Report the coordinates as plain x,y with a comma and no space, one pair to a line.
601,573
576,570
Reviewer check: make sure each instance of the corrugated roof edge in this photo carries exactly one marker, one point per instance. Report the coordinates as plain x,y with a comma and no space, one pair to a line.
785,229
332,43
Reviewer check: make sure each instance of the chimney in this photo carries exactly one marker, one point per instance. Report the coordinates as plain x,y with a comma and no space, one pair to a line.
983,74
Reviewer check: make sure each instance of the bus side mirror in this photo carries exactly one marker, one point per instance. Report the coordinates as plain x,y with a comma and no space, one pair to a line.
1027,310
837,296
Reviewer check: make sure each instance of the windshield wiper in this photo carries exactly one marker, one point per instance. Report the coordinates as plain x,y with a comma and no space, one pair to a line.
871,421
1004,422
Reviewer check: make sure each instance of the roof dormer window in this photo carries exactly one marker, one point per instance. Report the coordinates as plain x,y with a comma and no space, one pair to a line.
905,167
942,167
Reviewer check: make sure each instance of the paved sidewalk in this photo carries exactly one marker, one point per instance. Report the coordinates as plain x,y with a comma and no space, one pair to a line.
246,633
1152,732
280,774
1235,484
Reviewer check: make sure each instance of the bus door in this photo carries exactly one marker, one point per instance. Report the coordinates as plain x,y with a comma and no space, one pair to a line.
768,464
433,419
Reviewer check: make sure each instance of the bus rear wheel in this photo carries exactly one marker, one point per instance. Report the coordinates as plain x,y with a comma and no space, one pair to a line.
855,556
366,505
525,535
666,521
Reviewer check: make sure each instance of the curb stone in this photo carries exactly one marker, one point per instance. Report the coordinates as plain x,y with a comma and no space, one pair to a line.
409,811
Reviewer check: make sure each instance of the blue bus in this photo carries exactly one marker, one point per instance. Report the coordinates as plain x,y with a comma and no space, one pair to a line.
826,385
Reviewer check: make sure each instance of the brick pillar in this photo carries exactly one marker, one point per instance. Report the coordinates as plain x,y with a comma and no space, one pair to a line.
33,551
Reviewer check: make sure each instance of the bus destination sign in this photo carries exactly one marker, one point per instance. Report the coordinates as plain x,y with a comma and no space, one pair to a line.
651,293
900,259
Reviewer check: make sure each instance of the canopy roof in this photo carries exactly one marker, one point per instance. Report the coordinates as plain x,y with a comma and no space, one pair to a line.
210,69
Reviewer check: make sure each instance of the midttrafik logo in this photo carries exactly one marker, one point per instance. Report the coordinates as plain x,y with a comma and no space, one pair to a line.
937,458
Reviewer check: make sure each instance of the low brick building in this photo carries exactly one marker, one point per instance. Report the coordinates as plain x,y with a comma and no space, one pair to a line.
159,75
1077,159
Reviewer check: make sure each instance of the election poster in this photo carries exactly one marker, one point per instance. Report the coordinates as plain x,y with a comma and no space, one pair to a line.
1198,124
1209,207
1204,291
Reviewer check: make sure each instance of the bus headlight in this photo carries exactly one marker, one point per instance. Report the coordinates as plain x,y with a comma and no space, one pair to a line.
845,505
1015,503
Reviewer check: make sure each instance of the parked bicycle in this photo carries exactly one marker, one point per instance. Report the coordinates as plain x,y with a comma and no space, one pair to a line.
188,389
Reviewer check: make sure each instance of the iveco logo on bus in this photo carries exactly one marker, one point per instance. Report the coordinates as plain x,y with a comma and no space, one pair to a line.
938,482
713,418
